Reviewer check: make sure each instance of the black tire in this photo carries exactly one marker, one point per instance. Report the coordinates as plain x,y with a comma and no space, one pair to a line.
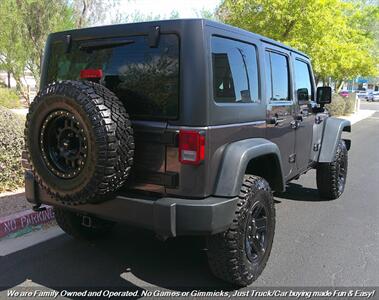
231,254
72,223
331,177
94,154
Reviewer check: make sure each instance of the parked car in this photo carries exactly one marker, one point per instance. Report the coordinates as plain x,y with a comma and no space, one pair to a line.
344,94
183,127
369,95
362,94
375,96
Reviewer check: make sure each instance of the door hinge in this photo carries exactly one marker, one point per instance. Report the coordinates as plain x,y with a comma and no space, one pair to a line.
316,147
292,158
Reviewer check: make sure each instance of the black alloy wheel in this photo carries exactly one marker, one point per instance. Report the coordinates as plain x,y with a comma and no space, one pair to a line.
256,233
331,177
64,144
239,254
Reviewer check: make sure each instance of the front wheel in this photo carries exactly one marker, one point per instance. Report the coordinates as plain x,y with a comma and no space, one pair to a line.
239,254
331,177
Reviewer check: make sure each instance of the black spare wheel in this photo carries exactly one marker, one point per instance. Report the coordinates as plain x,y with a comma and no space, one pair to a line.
80,141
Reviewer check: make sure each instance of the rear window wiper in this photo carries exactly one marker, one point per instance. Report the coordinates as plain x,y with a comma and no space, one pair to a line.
104,44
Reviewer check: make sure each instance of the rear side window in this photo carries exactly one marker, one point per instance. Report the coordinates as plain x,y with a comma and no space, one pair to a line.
303,77
235,71
277,76
146,79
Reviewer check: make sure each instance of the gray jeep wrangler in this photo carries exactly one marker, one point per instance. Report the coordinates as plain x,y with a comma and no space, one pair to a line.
183,127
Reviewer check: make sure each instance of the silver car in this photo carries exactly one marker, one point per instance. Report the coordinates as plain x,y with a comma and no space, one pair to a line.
374,96
362,94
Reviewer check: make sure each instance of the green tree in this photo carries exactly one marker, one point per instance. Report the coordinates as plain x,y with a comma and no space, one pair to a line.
93,12
13,53
139,16
324,29
25,25
40,18
206,14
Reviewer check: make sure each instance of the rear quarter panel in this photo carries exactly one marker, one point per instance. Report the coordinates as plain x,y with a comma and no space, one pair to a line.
224,122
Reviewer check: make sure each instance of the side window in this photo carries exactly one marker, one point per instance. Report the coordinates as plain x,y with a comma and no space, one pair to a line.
277,71
303,81
268,74
235,71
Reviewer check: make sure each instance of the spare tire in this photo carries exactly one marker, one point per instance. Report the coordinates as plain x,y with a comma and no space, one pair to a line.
79,140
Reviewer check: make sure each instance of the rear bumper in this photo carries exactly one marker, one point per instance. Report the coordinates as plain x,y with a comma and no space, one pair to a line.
167,216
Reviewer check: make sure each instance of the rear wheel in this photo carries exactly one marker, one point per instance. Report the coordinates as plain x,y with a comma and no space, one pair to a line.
239,254
331,177
82,226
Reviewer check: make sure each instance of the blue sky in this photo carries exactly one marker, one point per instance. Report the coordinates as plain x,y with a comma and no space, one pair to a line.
185,8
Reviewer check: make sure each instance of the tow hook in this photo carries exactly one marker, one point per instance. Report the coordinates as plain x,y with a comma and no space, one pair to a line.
38,207
87,221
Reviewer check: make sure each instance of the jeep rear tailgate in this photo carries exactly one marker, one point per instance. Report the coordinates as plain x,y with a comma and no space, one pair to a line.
145,77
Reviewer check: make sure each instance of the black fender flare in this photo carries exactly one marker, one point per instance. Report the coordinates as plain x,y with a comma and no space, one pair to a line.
332,134
236,158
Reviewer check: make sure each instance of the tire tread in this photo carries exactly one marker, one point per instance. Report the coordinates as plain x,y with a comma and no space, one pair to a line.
114,138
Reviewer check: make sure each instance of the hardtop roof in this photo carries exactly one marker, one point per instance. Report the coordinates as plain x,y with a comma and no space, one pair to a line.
249,33
204,22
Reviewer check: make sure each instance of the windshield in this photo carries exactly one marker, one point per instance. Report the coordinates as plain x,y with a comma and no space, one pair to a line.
145,79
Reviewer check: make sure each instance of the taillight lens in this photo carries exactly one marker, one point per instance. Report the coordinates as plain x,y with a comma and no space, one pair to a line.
91,73
191,147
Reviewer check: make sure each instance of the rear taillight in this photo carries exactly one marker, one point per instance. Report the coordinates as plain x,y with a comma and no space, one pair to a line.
191,147
91,74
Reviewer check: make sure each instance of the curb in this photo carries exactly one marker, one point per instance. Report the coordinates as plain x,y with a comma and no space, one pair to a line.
358,116
21,220
12,193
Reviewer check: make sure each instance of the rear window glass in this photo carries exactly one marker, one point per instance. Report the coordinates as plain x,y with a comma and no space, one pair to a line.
146,79
235,71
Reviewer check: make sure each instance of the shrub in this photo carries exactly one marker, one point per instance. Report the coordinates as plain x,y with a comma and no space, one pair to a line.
337,107
11,144
9,98
2,84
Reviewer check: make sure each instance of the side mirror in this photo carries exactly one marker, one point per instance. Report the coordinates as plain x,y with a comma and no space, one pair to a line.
324,95
302,95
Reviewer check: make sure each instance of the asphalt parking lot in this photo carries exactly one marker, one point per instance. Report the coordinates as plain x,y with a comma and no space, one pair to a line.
317,243
370,105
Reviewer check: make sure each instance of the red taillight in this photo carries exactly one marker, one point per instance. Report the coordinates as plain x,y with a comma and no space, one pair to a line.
91,73
191,147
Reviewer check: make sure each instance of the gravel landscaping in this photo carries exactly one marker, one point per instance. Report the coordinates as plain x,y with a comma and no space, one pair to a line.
13,202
